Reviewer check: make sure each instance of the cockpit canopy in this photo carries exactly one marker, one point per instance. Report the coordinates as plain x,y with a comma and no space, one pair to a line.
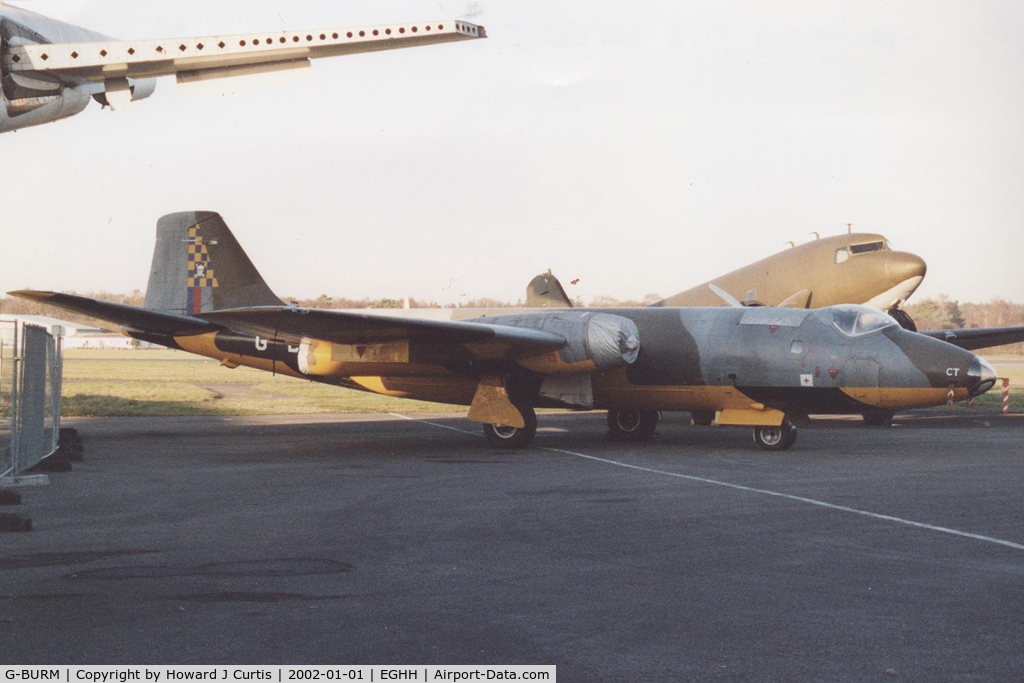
853,320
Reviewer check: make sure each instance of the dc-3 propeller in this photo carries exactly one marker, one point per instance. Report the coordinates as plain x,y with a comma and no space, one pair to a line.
726,296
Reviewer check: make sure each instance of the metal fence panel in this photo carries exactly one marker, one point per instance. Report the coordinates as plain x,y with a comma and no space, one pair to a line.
8,338
32,406
31,363
54,377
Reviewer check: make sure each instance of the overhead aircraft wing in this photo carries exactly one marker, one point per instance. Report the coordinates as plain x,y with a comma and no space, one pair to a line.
979,337
207,57
292,324
133,317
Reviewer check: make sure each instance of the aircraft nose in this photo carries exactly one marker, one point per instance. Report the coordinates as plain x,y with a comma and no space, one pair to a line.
901,266
982,376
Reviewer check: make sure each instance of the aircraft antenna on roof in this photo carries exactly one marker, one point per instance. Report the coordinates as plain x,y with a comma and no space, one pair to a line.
815,233
849,228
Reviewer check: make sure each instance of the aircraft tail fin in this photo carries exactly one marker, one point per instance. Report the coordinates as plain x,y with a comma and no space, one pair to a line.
545,291
199,266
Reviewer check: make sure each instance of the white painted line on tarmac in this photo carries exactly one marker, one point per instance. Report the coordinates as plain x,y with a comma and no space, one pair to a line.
435,424
801,499
751,489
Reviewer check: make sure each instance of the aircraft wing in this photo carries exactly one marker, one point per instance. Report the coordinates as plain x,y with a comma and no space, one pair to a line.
142,319
344,327
979,337
208,57
291,324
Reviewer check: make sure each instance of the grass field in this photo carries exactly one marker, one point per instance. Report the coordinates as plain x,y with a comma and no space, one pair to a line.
100,383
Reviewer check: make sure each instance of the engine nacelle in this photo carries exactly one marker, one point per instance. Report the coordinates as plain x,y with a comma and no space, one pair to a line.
18,86
325,359
35,111
597,342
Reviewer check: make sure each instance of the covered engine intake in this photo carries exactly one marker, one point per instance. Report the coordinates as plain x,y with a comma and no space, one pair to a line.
596,341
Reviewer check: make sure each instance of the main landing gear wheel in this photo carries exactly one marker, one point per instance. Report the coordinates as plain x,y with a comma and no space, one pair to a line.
501,436
702,417
776,438
878,417
632,424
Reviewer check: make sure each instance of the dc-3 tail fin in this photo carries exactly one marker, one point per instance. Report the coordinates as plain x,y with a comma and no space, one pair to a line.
545,291
199,266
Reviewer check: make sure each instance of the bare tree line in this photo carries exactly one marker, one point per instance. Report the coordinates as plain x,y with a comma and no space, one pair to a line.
936,313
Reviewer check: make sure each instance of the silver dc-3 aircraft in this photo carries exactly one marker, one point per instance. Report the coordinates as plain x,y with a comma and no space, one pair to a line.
49,70
752,366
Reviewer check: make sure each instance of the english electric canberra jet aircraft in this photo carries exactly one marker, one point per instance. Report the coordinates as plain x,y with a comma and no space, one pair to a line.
752,366
49,70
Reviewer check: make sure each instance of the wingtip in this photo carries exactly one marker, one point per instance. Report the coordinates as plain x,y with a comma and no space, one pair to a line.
32,294
468,29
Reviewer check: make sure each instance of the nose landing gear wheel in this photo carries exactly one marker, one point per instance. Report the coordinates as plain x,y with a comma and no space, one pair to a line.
634,425
776,438
501,436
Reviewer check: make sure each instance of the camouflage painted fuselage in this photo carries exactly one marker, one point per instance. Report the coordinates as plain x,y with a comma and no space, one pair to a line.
753,364
790,360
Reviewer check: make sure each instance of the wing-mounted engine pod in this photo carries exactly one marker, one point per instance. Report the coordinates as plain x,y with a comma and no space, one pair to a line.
325,359
595,341
34,111
611,341
306,358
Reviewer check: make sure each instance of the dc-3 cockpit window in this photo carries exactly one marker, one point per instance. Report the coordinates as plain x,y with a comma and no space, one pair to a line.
866,247
855,321
844,253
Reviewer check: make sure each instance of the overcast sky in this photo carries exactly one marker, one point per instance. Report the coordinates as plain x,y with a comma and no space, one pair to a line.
639,147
